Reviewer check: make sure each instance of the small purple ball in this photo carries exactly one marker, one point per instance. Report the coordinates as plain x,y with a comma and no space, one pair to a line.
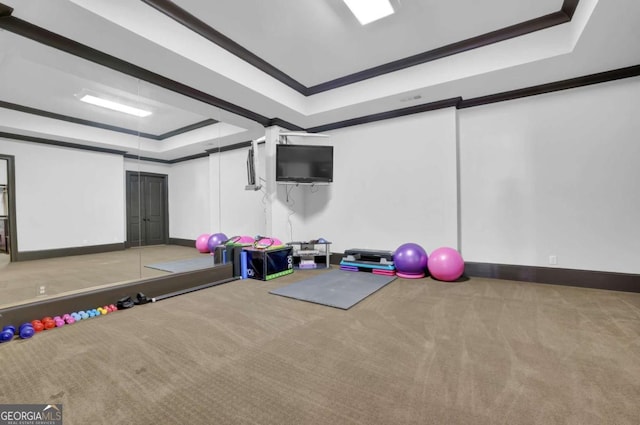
410,258
215,240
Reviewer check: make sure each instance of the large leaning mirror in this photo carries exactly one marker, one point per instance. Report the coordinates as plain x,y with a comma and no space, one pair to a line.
62,173
104,177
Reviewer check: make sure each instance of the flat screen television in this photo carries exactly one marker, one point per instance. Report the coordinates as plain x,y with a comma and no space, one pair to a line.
304,164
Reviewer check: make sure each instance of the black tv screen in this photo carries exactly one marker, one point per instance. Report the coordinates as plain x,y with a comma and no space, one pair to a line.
304,163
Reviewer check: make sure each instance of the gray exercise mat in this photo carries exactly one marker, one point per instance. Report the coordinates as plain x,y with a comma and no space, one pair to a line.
337,288
187,265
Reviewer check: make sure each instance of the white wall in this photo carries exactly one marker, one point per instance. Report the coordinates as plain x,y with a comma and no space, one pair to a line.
63,193
290,221
189,199
208,195
66,197
548,175
394,182
554,175
234,210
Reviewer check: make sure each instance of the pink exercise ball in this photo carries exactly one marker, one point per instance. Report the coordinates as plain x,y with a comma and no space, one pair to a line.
446,264
241,240
267,242
201,243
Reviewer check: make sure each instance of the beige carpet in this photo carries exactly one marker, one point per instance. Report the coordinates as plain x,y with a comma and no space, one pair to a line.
416,352
20,281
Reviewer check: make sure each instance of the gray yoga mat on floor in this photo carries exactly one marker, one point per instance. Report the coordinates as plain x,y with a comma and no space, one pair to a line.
190,264
337,288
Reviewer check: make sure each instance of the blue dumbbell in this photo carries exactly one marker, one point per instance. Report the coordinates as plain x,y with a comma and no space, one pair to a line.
26,330
7,333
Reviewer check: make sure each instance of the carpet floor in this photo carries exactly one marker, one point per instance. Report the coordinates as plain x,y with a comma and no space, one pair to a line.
20,282
416,352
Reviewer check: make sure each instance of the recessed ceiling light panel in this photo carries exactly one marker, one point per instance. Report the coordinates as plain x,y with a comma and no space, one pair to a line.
367,11
115,106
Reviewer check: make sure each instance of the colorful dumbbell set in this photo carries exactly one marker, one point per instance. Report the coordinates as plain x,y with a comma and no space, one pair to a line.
27,330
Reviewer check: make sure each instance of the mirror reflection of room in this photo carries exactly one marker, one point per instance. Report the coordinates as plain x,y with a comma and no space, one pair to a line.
104,166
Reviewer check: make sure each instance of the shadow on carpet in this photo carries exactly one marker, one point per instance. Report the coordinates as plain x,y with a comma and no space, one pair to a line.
337,288
187,265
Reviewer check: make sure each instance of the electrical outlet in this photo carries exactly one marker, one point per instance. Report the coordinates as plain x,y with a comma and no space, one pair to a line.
553,260
42,290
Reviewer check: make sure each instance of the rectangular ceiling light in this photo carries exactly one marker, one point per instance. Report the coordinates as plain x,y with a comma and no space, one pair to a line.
369,10
115,106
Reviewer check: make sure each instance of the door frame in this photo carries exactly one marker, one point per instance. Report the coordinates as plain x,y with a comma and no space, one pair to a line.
165,206
13,221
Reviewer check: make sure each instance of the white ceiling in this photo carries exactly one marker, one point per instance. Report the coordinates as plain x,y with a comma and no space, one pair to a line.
310,41
41,77
318,41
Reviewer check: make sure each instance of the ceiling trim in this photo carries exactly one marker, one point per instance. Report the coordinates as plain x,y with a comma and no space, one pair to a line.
229,147
205,154
58,143
183,17
285,124
502,34
458,102
40,35
585,80
61,117
167,161
144,158
569,7
191,22
189,158
59,42
5,10
51,39
416,109
187,128
95,124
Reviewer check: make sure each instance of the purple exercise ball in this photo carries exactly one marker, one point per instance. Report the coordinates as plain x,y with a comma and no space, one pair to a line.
410,260
215,240
201,243
446,264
